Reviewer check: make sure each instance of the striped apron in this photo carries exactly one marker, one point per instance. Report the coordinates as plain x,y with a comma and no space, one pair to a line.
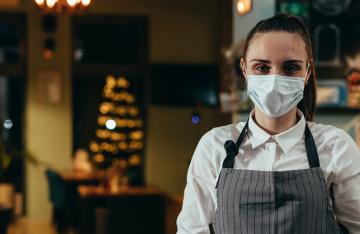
273,202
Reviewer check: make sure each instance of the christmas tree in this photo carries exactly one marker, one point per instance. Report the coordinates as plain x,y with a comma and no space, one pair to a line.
119,138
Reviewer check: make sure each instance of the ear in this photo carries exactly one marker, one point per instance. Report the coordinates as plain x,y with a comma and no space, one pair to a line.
243,67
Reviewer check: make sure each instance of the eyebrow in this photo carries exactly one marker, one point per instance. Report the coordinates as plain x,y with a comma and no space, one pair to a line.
293,61
268,61
260,60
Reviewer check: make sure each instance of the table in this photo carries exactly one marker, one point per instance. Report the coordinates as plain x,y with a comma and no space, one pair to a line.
71,180
130,210
93,191
81,176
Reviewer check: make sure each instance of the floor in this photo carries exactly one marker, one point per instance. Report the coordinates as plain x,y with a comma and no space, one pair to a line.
24,226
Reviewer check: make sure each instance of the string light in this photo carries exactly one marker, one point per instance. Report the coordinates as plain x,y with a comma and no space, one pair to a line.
99,158
110,124
120,133
134,160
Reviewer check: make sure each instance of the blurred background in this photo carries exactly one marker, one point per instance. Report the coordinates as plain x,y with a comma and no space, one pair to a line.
102,102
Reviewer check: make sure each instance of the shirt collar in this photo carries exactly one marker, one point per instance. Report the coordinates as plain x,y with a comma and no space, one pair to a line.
287,139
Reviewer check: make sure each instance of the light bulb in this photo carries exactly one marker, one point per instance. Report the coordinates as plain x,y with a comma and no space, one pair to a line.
240,6
71,3
8,124
110,124
243,6
195,118
86,2
51,3
40,2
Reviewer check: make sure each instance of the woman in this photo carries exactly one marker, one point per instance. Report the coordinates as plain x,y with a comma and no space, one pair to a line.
277,172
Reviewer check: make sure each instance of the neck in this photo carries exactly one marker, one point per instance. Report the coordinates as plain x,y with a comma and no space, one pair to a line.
276,125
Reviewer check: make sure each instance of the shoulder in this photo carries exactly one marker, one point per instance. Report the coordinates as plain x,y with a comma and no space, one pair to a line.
229,132
341,149
318,128
327,135
210,149
217,136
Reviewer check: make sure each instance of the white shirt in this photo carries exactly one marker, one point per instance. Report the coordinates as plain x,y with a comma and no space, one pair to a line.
338,154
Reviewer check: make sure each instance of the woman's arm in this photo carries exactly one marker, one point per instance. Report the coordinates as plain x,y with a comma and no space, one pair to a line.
347,204
346,186
200,195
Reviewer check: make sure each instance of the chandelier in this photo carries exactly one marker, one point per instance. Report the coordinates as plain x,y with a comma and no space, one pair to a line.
60,5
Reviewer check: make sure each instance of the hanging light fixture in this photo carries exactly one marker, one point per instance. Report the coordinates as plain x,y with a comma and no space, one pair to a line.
243,7
61,5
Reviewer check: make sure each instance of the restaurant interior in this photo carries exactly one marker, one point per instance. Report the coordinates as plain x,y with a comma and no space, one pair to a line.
102,102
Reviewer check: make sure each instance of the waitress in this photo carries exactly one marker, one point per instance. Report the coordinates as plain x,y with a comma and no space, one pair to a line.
278,172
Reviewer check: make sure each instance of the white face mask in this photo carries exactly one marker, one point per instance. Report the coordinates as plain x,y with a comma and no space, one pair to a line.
275,95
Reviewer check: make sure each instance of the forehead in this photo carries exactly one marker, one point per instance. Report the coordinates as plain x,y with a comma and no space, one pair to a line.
276,46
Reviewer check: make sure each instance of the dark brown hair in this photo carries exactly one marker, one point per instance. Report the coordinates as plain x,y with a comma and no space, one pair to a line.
291,24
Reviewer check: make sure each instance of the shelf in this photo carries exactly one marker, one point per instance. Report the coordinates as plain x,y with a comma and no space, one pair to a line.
337,110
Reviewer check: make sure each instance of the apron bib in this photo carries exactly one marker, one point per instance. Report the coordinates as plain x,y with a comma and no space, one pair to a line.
290,202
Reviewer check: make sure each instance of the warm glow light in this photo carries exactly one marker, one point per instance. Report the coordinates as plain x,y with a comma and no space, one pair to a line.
240,6
60,5
39,2
48,54
51,3
243,6
99,158
71,3
86,2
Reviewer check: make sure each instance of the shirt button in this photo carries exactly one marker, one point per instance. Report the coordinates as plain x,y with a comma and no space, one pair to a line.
270,147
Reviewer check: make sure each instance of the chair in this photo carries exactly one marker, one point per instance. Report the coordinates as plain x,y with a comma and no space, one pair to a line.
57,198
136,215
5,218
125,214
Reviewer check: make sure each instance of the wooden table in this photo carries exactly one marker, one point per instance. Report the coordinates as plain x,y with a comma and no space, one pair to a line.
93,191
81,176
72,179
131,210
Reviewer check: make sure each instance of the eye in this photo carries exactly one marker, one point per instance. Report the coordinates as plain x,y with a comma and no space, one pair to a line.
291,68
262,68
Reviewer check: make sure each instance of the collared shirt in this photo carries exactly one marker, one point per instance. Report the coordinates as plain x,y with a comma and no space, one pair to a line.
338,154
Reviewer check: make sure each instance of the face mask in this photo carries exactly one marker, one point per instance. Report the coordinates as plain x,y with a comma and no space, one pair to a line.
275,95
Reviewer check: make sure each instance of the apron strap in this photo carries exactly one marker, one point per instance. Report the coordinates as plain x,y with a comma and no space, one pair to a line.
232,148
311,151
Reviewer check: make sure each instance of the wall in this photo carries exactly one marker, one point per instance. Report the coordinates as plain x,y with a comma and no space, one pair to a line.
182,31
48,132
171,141
243,24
